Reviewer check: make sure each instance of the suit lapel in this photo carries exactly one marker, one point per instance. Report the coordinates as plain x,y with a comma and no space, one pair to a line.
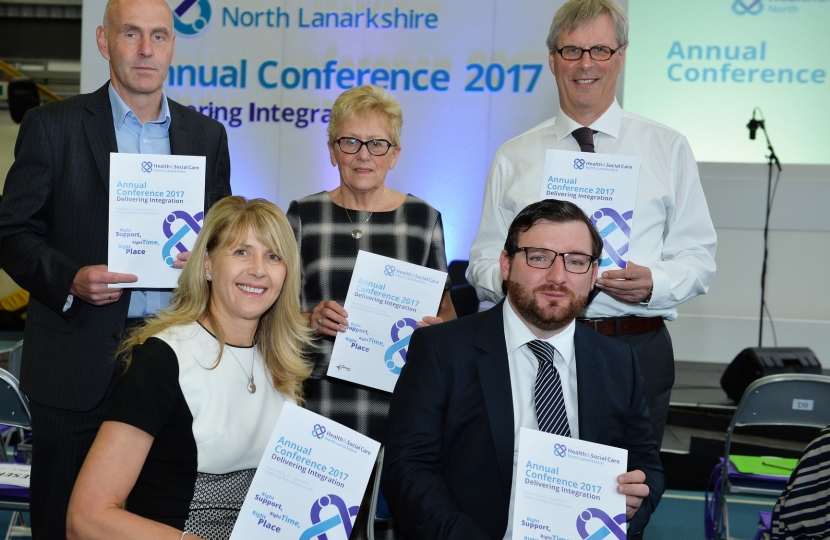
180,143
100,131
589,384
494,373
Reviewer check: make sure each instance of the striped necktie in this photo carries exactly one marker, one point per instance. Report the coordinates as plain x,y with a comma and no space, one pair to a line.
585,137
550,402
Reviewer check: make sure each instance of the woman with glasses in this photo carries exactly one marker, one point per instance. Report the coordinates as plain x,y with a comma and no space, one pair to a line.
362,213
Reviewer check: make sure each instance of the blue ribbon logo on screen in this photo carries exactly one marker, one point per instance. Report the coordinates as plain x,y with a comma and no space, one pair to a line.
752,7
389,270
343,518
191,223
146,166
399,344
560,450
318,431
579,164
615,231
197,22
607,525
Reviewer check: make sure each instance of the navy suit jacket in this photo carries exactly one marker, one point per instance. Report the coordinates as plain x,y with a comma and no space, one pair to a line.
53,221
448,467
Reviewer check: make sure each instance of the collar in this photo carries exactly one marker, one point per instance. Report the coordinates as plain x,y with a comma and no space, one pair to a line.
517,334
120,109
609,123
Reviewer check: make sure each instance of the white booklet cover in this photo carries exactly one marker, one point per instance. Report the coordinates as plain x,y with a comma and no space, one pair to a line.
156,209
567,488
605,187
386,299
309,482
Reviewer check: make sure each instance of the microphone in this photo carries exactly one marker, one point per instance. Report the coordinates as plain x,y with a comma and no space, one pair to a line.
753,126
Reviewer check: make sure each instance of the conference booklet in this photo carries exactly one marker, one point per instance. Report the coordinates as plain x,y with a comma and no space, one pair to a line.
605,187
156,210
567,488
310,480
386,299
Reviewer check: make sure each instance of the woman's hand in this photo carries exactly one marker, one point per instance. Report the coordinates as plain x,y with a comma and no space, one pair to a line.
446,312
328,317
429,321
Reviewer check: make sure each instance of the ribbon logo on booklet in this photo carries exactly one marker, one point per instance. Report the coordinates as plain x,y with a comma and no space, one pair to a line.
609,525
343,517
399,344
191,223
613,227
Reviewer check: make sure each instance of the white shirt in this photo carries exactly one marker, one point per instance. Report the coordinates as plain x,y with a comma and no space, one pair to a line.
231,426
672,233
523,368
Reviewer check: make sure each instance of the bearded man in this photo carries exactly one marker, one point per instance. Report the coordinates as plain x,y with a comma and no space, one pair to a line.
470,385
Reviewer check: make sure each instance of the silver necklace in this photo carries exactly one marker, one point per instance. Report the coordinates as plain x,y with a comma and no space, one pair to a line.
356,232
251,385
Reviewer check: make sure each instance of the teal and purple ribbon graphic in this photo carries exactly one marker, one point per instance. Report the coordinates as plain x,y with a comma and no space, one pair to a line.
399,344
607,221
191,223
610,526
319,526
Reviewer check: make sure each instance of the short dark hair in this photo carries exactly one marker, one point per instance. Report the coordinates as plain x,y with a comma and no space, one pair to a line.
555,211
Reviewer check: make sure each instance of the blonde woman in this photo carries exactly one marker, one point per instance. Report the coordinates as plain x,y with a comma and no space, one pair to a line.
205,382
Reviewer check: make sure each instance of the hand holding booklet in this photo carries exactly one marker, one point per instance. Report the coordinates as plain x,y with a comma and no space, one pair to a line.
386,299
156,209
567,488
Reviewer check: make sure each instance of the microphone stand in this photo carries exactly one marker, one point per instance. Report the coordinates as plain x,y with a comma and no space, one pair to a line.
772,159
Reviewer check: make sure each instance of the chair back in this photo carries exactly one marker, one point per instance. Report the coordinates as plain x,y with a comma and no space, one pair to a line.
14,407
791,399
15,358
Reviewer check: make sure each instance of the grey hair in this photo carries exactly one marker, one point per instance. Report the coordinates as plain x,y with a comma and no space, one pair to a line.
576,13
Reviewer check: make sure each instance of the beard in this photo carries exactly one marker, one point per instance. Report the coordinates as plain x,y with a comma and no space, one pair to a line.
555,315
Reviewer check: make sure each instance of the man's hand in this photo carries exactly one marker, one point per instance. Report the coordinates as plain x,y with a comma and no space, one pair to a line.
90,284
631,485
181,259
632,284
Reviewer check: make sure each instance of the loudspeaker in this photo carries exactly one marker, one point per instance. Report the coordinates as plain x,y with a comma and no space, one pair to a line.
22,97
756,362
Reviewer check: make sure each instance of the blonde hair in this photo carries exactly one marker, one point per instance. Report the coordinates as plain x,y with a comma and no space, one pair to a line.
576,13
283,332
364,101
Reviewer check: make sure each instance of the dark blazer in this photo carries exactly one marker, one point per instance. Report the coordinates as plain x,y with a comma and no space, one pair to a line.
448,468
54,220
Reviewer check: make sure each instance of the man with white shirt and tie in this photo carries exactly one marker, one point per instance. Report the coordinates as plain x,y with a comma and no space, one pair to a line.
470,385
672,242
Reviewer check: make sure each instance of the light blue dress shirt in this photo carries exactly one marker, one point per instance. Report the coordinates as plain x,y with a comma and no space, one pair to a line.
150,138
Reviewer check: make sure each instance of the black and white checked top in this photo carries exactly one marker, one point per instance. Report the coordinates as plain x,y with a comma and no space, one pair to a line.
413,233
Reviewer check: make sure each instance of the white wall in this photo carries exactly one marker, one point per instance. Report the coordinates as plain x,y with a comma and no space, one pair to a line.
716,327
